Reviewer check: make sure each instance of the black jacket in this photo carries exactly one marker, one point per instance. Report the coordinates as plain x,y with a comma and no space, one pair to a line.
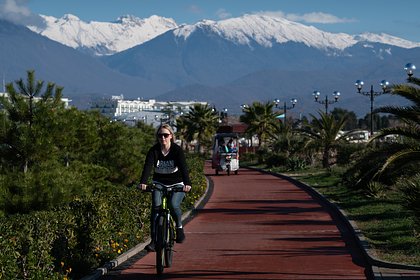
169,169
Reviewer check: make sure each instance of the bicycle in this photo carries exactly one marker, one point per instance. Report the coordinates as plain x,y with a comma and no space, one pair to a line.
165,232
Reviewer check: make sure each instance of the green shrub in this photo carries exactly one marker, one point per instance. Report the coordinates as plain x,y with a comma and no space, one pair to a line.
49,185
295,164
375,189
73,239
276,159
249,158
410,188
345,153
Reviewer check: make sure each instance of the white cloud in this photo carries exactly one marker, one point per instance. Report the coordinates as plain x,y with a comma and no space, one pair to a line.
223,14
194,9
315,17
16,11
13,9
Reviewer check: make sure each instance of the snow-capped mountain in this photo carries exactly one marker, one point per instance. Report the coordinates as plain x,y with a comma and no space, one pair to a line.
267,31
106,38
260,57
82,76
386,39
103,38
227,63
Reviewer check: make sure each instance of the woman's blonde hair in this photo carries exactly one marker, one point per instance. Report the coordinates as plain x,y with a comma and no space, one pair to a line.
168,127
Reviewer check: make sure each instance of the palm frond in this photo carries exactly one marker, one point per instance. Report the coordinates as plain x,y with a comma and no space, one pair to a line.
401,159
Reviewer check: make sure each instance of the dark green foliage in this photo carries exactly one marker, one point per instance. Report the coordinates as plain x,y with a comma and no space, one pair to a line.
261,120
410,188
274,159
50,154
200,124
67,197
368,163
386,162
77,237
248,158
351,118
295,163
48,186
408,131
346,152
323,135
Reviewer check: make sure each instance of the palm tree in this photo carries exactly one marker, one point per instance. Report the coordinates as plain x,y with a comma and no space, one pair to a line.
182,132
324,134
408,151
283,138
261,120
201,123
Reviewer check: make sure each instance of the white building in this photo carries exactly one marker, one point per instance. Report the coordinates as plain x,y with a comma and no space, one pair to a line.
149,111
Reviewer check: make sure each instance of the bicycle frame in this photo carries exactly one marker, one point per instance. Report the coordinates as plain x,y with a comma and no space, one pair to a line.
164,229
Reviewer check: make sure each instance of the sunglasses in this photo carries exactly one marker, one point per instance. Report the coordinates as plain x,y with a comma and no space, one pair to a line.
166,135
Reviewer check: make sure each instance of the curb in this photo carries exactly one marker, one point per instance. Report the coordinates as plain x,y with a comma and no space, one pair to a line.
362,241
186,217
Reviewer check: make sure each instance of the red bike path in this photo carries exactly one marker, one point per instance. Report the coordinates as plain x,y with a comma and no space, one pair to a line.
257,226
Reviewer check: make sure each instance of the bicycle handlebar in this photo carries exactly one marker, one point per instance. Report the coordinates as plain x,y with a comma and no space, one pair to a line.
172,188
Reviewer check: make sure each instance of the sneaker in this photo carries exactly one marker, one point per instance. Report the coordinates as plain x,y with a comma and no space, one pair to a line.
180,236
150,247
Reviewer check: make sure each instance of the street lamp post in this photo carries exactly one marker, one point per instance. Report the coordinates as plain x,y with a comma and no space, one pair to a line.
326,102
359,85
244,107
224,115
285,107
409,68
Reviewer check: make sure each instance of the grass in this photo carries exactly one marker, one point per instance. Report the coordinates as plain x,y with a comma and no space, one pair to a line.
387,225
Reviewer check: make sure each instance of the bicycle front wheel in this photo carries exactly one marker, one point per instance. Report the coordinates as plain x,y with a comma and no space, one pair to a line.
160,245
170,237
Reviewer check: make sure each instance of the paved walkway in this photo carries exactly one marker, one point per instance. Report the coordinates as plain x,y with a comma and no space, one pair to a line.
258,226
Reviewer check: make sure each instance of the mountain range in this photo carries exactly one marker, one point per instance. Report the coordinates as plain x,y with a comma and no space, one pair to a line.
227,63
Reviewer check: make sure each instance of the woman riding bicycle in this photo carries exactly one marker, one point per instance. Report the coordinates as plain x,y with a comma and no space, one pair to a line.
170,167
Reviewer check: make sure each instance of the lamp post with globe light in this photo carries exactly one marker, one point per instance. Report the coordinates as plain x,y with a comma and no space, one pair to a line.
372,94
409,68
224,116
285,107
326,102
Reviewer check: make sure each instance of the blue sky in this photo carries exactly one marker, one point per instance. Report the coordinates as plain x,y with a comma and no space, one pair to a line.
395,17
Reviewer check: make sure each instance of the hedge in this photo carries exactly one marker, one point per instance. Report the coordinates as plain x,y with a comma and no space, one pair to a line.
74,239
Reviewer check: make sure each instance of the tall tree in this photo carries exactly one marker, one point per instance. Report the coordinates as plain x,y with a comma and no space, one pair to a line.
201,122
408,132
27,109
351,118
324,135
261,120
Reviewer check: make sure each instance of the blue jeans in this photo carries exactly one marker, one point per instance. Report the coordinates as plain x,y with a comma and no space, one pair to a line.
174,204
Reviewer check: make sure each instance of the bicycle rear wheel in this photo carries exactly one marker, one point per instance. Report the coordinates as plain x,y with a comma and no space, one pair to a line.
170,237
160,245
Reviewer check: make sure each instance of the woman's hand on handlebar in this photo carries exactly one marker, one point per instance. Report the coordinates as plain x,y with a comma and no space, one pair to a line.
187,188
142,187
